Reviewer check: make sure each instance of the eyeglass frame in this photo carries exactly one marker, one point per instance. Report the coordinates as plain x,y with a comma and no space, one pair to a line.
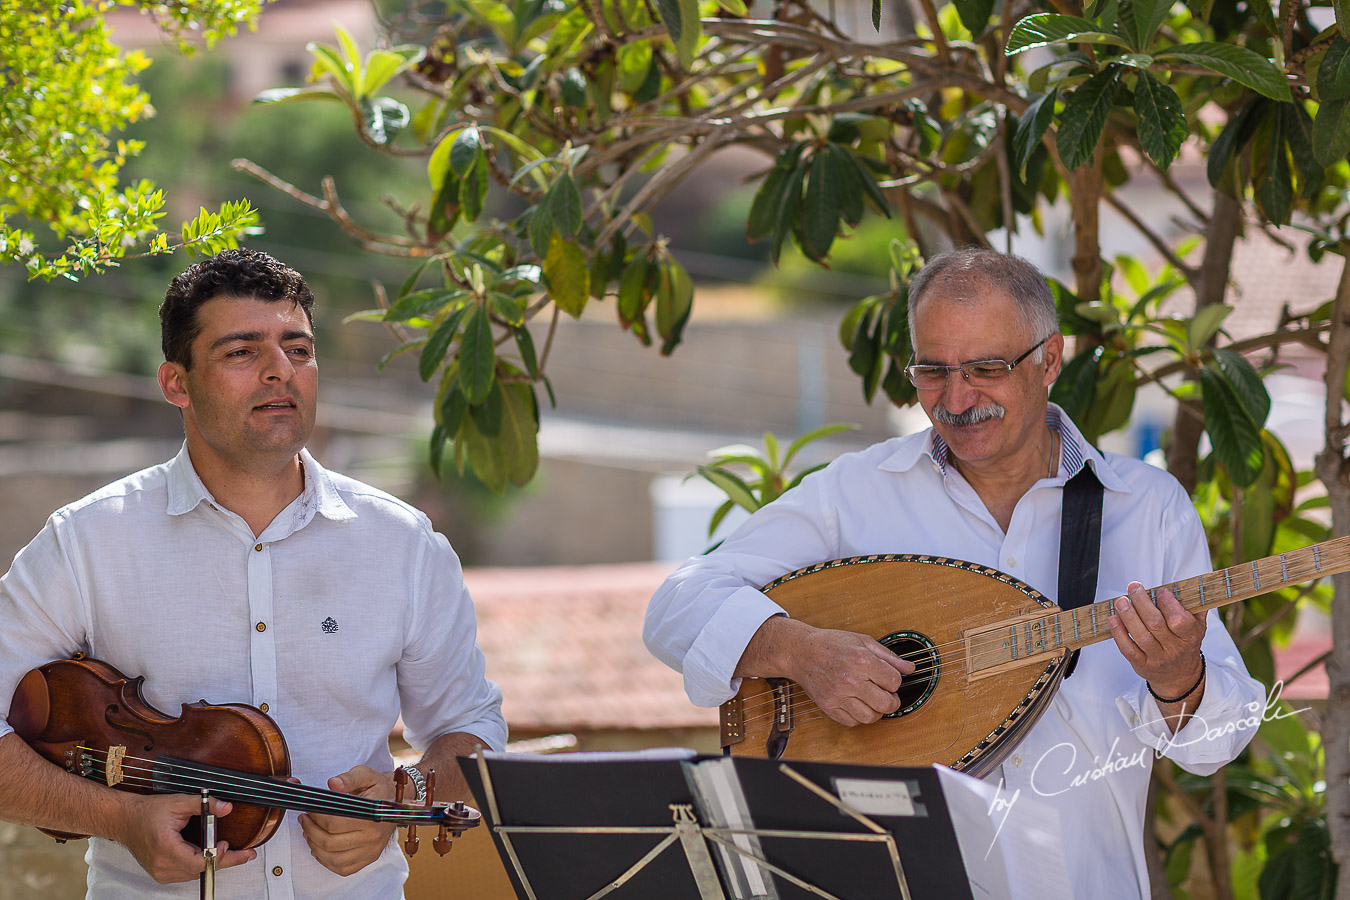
961,367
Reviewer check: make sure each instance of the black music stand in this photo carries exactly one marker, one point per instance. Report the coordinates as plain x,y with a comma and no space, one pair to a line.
671,825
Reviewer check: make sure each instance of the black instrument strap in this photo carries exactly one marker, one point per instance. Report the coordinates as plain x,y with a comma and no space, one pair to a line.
1080,544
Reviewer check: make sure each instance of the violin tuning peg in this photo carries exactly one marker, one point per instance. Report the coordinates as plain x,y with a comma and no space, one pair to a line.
431,786
442,843
410,845
400,784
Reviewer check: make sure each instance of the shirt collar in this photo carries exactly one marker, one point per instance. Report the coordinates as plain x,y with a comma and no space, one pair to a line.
1074,452
320,496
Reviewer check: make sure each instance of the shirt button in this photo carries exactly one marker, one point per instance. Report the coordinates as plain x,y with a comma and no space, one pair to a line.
262,626
1012,561
1017,759
257,547
276,870
264,707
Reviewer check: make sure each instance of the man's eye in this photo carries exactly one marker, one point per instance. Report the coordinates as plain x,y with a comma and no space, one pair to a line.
992,370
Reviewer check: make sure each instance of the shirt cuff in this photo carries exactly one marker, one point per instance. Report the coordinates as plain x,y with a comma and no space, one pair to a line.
710,664
1227,718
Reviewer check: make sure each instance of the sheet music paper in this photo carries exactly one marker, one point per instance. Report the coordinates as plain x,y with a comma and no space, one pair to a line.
722,801
1022,863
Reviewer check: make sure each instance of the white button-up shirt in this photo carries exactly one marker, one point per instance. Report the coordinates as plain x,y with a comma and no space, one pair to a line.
1092,751
348,610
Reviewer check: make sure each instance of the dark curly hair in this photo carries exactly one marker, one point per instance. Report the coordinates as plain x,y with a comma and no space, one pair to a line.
247,274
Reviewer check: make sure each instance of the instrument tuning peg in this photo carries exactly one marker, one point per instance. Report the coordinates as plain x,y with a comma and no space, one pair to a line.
400,784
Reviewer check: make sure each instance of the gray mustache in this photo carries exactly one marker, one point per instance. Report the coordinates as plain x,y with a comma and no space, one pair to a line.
973,416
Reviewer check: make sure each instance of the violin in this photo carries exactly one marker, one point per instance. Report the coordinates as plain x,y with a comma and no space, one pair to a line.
91,720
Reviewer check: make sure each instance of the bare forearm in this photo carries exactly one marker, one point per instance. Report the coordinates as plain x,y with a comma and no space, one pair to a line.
442,756
35,792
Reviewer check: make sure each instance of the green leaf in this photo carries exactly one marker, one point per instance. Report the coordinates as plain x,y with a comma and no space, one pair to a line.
465,151
1298,129
764,207
1245,383
1331,131
477,357
683,25
525,344
1244,66
382,65
1114,399
1031,127
1076,385
383,118
674,303
519,434
451,405
485,456
1235,437
1084,117
473,192
1342,11
487,416
812,436
1162,124
735,7
286,95
633,293
1141,20
420,304
787,212
732,485
569,277
438,342
820,209
1333,75
1276,193
1044,29
539,230
1233,139
876,15
850,162
975,14
634,61
1206,324
564,205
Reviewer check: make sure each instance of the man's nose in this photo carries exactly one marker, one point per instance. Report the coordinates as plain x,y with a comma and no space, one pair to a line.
277,366
959,395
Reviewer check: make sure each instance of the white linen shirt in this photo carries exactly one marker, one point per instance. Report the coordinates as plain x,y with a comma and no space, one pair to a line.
347,610
1091,752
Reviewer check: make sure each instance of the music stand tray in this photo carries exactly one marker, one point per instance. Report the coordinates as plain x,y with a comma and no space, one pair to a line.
672,825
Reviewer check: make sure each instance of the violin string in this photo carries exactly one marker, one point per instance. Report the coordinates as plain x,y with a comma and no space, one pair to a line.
261,789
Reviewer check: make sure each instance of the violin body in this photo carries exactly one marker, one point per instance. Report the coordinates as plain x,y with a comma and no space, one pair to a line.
91,720
69,707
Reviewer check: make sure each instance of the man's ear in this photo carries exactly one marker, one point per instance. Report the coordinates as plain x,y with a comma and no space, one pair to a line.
173,384
1054,358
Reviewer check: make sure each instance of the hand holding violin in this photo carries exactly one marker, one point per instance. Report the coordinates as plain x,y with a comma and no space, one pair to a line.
344,845
152,835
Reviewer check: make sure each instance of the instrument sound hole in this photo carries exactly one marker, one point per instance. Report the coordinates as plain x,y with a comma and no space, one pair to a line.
918,687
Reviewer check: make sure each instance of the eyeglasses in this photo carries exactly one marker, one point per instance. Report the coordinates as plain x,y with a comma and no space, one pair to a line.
980,372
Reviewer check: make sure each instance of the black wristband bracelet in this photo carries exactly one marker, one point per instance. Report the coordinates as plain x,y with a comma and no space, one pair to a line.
1185,695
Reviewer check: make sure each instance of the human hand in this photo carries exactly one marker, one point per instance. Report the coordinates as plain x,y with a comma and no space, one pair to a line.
152,836
345,845
1161,643
849,676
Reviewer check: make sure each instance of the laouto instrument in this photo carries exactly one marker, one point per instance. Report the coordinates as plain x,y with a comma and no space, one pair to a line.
989,652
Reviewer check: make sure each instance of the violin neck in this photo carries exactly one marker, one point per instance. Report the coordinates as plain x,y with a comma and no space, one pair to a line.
174,776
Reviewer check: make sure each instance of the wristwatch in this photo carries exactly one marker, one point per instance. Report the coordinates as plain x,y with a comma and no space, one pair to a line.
419,781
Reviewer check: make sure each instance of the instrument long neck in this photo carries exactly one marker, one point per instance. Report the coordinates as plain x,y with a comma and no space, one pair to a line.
1036,635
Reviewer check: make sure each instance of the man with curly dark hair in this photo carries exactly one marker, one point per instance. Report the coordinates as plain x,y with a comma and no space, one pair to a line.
242,570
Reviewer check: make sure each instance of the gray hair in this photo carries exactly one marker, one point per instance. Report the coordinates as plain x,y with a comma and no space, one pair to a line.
1018,278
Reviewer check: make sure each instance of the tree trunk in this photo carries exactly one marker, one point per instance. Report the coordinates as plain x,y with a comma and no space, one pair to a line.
1224,227
1332,469
1085,195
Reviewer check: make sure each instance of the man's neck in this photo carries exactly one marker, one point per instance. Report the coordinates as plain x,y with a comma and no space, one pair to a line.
257,494
1002,484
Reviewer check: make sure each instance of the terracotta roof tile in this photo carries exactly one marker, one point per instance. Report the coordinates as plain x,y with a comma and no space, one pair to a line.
565,644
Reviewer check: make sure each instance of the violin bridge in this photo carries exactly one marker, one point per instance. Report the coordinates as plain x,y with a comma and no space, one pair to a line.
112,767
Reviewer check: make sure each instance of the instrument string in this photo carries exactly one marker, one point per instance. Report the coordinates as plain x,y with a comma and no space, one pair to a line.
185,777
1214,588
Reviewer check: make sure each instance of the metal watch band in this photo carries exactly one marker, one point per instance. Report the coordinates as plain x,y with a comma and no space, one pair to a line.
419,781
